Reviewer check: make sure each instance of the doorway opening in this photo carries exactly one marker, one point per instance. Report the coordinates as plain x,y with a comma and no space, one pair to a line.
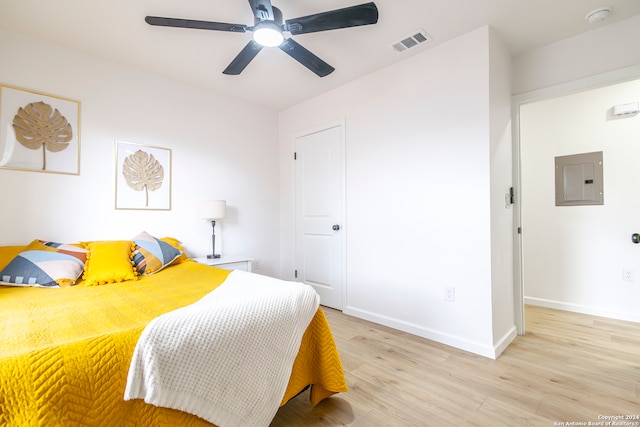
568,243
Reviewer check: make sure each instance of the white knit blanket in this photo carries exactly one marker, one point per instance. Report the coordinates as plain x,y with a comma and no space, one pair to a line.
228,357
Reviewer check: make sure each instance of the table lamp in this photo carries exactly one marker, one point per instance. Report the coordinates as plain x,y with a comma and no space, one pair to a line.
213,210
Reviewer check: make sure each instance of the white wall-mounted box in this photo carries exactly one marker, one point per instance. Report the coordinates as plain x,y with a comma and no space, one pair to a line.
623,109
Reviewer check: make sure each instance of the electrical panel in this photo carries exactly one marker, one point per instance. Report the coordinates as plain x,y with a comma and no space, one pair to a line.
579,179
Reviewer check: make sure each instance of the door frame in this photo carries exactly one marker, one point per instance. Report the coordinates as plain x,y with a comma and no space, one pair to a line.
580,85
340,123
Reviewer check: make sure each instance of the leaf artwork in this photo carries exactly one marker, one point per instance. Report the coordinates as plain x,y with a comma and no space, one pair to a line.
39,125
143,172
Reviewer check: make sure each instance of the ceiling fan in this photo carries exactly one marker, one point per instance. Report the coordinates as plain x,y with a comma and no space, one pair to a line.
268,31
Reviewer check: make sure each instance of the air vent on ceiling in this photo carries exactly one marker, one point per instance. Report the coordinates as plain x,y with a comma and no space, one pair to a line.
411,41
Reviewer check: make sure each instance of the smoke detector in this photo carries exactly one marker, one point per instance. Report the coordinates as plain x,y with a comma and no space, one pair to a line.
598,15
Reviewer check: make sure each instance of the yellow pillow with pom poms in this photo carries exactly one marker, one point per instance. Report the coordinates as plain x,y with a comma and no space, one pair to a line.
109,261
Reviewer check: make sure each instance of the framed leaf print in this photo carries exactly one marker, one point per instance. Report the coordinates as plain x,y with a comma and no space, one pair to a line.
39,132
143,177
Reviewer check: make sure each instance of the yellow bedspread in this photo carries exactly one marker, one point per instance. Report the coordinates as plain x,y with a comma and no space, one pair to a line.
65,353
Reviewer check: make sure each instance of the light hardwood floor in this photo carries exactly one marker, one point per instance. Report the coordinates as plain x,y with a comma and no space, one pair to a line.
568,368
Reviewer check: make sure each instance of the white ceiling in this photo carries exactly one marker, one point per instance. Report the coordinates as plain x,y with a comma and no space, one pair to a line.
115,30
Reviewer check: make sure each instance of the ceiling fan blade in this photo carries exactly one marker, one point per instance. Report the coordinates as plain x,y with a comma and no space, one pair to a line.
245,56
262,9
363,14
306,58
199,25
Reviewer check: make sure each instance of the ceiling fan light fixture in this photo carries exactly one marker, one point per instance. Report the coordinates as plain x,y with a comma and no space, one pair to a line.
268,34
268,28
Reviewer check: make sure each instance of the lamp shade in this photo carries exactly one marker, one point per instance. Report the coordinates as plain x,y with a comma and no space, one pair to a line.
213,209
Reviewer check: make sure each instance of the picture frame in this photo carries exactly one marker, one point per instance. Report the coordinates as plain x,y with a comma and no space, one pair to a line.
39,132
143,176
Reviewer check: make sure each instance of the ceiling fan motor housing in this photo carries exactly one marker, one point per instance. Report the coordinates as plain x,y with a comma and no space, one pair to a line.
277,17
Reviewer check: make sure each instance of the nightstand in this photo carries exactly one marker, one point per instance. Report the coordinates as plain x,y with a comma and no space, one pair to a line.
228,262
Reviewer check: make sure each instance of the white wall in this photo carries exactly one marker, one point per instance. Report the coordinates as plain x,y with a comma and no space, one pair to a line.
502,214
221,149
419,146
574,256
606,48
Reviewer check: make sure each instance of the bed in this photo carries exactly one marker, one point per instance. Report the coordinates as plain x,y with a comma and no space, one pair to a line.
66,352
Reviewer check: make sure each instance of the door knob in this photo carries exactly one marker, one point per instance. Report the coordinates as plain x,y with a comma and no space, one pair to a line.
336,227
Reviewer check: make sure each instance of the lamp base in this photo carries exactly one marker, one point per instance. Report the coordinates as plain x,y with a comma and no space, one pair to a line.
210,256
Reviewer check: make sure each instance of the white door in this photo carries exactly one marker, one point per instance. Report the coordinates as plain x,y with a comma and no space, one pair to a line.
319,204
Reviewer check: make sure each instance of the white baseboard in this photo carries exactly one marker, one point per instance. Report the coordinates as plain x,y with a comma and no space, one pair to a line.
441,337
584,309
504,342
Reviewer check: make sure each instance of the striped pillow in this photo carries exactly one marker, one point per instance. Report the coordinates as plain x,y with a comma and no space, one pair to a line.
45,264
152,255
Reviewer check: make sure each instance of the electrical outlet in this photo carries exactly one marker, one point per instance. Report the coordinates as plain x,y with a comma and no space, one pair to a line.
627,275
255,264
449,293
